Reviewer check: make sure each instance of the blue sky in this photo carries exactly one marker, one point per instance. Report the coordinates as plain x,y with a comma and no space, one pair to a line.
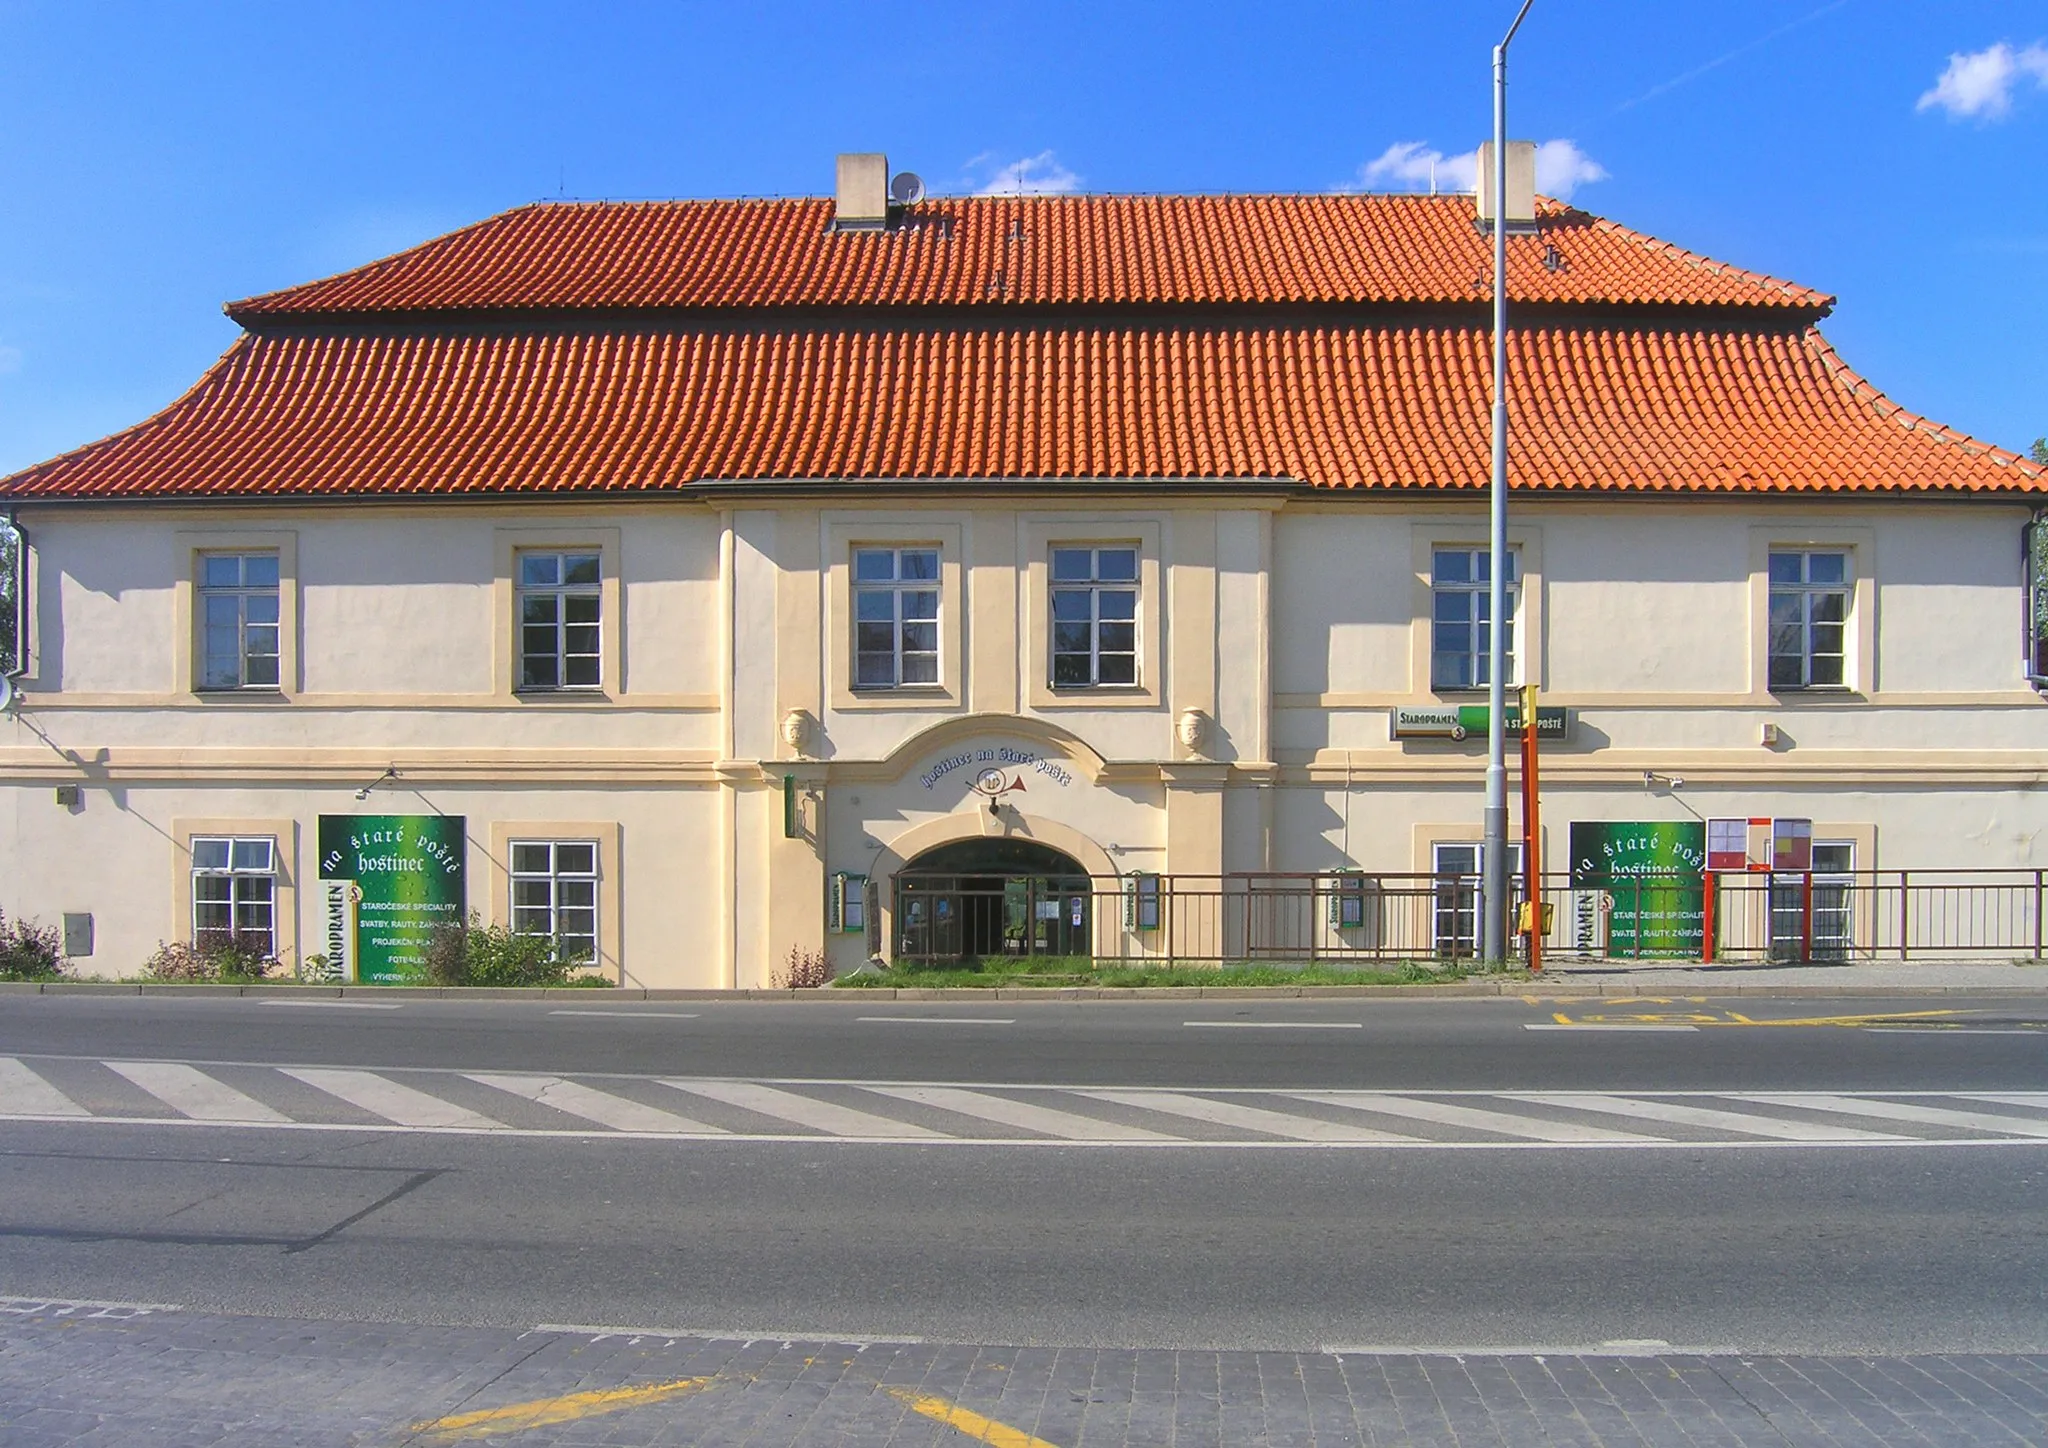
160,159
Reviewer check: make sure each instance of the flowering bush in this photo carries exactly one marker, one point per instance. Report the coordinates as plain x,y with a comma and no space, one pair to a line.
29,951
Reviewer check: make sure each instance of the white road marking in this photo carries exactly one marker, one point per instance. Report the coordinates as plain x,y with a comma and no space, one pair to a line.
1680,1115
1470,1117
1246,1118
74,1306
1621,1347
1953,1031
2033,1100
618,1112
634,1015
334,1005
941,1020
1601,1026
1068,1125
1906,1111
395,1103
729,1334
26,1094
1275,1025
193,1093
826,1116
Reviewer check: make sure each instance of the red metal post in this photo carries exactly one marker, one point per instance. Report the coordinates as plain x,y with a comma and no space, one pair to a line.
1806,917
1532,834
1709,895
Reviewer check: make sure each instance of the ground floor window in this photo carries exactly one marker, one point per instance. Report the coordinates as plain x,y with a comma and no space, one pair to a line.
234,892
554,893
1460,871
1813,915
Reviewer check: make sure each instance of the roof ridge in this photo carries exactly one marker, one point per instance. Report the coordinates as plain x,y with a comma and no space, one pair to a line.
1865,392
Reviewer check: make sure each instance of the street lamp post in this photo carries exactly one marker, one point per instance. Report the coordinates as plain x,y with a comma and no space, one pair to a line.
1494,856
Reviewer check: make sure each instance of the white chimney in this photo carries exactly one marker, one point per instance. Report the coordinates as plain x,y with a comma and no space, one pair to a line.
1521,184
863,192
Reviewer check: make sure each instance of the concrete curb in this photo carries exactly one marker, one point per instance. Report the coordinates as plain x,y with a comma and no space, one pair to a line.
1548,989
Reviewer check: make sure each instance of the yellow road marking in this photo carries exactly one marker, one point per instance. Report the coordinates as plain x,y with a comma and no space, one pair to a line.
980,1429
544,1412
1736,1018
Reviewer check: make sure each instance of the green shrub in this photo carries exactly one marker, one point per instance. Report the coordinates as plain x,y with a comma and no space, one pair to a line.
29,951
494,955
225,959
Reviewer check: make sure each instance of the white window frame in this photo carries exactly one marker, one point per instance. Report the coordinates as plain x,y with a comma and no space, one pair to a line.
899,590
1805,597
1475,595
253,612
1096,589
582,651
247,873
551,878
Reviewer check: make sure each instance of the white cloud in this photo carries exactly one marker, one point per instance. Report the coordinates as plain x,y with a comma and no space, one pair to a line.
1561,169
1980,85
1040,175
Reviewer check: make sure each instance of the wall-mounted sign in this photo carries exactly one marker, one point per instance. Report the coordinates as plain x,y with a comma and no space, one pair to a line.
1647,878
1468,721
1760,844
386,881
994,769
13,599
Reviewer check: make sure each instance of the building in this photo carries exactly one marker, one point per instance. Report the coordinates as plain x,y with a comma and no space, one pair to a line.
674,577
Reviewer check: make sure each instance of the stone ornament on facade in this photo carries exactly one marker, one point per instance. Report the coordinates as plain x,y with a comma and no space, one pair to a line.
1192,729
797,725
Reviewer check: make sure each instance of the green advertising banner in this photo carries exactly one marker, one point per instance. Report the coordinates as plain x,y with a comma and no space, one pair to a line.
387,881
1652,874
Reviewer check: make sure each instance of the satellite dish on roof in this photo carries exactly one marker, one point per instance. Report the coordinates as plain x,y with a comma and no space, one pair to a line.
907,189
7,694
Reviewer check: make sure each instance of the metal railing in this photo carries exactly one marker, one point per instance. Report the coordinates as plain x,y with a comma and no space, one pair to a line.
1363,917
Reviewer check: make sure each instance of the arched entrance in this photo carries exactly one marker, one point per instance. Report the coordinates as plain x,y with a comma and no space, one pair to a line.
992,896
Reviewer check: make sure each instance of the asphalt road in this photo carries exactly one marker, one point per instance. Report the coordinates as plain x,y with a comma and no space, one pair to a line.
1935,1043
1792,1246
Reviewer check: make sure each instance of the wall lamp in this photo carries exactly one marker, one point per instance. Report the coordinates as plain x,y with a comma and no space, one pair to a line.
1651,779
364,792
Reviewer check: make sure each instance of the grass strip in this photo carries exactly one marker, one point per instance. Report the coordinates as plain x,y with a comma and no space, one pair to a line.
1058,973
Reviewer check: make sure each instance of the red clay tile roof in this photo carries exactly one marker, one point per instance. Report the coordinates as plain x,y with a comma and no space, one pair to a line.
1010,252
621,412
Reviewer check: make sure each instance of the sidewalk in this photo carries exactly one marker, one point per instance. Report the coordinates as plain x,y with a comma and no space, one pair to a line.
1559,978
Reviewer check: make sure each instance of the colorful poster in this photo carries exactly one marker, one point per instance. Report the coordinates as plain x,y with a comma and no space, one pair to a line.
1651,875
387,881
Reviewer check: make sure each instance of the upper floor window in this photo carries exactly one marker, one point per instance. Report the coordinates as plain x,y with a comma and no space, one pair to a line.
234,892
1461,617
554,893
559,624
895,617
238,620
1094,617
1809,618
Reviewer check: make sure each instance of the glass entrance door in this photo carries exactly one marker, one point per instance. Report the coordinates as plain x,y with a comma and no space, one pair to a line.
979,899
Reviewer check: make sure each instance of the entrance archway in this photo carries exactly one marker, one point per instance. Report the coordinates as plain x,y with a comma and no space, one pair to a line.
992,896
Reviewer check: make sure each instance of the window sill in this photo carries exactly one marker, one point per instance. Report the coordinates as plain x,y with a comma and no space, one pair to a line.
556,696
1829,693
270,692
907,691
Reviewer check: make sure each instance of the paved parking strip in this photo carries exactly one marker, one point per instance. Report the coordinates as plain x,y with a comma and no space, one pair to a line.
77,1373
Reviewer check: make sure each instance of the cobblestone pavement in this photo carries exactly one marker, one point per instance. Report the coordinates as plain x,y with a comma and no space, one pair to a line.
94,1373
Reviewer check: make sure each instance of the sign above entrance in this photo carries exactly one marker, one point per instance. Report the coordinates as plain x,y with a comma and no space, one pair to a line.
994,769
1468,721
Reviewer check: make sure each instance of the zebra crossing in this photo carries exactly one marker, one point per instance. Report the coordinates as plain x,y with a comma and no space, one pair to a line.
502,1103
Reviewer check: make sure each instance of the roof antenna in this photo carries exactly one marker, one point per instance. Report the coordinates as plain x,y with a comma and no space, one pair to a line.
561,181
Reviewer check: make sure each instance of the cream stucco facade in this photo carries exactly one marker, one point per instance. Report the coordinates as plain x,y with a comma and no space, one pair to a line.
1277,629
